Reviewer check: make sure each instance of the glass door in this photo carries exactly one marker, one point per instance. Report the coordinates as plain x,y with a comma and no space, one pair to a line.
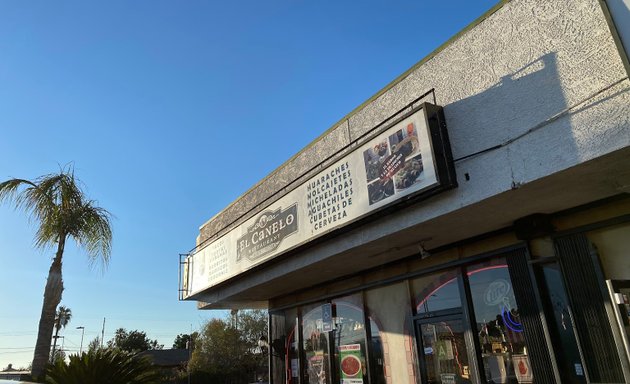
470,327
443,350
441,328
499,329
560,323
619,291
315,344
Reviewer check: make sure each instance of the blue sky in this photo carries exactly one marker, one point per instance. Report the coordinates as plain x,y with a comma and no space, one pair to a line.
169,110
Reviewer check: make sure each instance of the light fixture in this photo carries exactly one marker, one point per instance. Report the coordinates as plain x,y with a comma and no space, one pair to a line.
423,251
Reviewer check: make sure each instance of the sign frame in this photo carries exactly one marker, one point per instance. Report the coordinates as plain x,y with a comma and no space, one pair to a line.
406,161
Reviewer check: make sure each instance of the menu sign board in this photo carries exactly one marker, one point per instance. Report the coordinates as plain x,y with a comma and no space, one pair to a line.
409,159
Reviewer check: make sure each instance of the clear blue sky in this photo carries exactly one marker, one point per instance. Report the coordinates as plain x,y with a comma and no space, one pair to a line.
169,110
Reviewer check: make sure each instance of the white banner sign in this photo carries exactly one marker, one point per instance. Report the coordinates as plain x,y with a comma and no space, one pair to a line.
398,162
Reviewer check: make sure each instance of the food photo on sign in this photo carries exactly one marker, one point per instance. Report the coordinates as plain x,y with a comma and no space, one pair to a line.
393,163
350,364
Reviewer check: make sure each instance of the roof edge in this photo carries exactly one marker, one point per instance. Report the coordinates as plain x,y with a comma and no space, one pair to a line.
389,86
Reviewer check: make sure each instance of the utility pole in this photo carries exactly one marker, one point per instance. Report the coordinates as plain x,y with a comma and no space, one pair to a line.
103,333
54,351
82,328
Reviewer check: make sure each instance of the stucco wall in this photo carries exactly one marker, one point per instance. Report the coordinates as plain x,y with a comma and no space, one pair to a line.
540,80
612,246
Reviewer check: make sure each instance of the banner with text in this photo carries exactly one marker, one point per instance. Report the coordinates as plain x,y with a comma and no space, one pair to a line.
396,163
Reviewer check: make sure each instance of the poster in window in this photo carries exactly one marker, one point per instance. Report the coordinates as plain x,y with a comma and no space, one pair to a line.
350,364
522,369
317,368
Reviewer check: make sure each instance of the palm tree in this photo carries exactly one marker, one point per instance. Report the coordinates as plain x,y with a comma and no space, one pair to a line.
58,204
62,318
104,366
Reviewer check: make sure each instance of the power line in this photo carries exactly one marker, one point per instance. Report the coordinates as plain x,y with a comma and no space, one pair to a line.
17,348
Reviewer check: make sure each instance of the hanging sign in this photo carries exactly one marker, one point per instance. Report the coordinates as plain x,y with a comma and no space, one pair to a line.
410,159
267,233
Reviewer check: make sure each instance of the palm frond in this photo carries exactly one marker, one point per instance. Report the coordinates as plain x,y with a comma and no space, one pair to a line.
58,204
62,317
103,366
9,191
93,232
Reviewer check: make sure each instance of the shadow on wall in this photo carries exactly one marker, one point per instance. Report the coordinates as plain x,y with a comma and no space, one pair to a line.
525,130
507,110
527,114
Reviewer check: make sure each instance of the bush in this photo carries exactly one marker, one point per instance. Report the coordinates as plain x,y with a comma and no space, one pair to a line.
104,366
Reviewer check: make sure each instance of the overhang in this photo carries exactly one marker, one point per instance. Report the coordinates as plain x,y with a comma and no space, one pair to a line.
399,235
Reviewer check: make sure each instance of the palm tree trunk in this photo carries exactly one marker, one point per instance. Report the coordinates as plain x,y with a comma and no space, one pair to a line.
52,298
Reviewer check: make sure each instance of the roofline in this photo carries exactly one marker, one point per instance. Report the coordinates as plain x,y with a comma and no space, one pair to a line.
389,86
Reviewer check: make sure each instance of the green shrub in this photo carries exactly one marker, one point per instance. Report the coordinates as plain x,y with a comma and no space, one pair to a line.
104,366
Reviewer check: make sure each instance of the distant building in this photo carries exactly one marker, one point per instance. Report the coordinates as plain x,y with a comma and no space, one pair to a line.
171,362
10,373
470,223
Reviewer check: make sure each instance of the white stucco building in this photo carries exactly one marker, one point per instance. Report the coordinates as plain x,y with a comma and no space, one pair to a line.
468,223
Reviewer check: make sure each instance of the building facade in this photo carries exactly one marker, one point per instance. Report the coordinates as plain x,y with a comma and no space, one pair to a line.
470,223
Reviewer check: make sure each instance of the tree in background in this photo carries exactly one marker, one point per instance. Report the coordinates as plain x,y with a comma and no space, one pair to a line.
132,342
95,344
60,356
252,327
62,318
226,350
57,203
181,340
216,357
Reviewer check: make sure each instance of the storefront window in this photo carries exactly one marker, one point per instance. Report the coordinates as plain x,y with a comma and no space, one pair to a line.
335,351
498,327
444,355
315,344
289,344
436,293
283,346
349,340
444,350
